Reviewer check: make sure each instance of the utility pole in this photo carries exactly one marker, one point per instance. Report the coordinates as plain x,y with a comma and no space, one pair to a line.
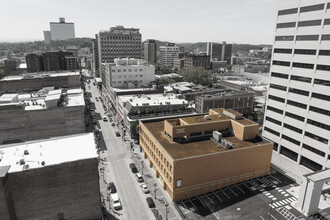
166,204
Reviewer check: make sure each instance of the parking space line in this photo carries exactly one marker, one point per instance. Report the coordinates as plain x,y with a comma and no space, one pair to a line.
246,186
209,199
232,191
193,204
239,189
217,196
185,205
225,193
201,201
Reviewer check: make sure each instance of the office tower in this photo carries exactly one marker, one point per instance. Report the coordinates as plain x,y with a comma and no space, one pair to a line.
34,63
95,55
168,53
118,42
219,51
150,51
61,30
297,115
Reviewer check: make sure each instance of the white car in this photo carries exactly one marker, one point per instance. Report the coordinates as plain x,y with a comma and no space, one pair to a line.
115,201
144,188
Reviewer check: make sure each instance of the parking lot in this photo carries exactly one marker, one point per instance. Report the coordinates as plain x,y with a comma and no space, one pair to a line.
261,198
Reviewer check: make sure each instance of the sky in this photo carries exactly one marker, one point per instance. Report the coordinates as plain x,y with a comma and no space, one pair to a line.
234,21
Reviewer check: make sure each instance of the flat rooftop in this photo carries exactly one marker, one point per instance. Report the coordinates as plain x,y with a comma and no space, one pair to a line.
213,118
51,151
38,75
152,99
196,147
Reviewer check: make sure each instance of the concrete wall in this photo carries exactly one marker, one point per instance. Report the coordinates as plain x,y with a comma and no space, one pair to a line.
20,125
70,188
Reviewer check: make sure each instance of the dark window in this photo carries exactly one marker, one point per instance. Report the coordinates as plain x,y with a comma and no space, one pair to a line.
322,82
276,98
208,132
284,38
310,164
289,153
325,37
299,92
327,21
195,133
309,23
312,149
292,128
273,120
301,79
307,37
323,67
297,104
294,116
281,63
270,108
272,131
288,11
279,50
278,87
286,25
290,139
305,52
303,65
316,137
324,53
318,124
280,75
321,96
312,8
319,110
275,147
328,6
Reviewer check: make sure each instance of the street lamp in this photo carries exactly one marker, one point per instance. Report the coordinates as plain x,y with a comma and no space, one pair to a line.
166,204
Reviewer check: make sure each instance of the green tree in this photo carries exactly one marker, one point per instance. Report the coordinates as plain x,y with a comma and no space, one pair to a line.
197,75
164,81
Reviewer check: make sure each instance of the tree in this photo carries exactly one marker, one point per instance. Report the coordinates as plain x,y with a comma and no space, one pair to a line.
164,81
197,75
161,70
135,130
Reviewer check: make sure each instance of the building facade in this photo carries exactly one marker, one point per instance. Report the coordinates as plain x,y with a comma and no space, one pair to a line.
95,61
168,53
34,63
219,51
150,51
62,30
193,60
297,113
187,162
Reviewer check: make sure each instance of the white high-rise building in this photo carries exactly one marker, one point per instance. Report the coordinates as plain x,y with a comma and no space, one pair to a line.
168,53
297,114
62,30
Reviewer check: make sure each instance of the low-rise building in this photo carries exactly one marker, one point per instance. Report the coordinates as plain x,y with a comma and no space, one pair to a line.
196,155
178,63
174,76
256,67
36,81
43,114
196,60
56,178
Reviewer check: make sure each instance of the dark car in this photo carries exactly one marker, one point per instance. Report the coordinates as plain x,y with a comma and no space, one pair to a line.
112,188
151,202
117,134
133,168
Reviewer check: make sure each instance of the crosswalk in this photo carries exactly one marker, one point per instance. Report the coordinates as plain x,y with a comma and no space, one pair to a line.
283,202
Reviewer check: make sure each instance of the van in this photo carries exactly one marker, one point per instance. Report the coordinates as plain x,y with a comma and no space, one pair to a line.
139,177
115,201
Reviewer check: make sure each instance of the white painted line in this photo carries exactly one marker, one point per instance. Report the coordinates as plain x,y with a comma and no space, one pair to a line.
274,199
217,196
288,207
209,199
282,203
279,190
262,190
274,186
286,195
271,196
285,202
283,192
267,194
239,188
232,191
253,188
272,216
225,193
275,205
263,186
288,200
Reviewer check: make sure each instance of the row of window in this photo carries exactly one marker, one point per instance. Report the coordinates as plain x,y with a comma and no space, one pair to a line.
304,9
292,90
302,65
324,37
120,82
308,23
301,79
127,76
296,51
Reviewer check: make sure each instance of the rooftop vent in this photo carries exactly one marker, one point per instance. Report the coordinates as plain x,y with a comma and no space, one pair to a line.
21,161
43,163
207,117
26,152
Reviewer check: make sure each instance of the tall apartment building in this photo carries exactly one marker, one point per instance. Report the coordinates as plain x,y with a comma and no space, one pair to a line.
150,51
118,42
297,116
61,30
168,54
219,51
34,63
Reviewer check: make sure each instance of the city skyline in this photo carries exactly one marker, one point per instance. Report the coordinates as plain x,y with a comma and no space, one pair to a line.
214,21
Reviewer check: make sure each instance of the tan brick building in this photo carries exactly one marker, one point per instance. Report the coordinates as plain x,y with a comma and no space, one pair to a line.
188,162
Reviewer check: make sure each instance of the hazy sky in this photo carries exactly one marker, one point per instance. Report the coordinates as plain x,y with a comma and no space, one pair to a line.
240,21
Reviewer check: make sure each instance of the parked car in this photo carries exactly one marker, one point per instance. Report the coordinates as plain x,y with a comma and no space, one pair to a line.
150,202
133,168
112,124
104,118
115,201
117,134
112,188
144,188
139,177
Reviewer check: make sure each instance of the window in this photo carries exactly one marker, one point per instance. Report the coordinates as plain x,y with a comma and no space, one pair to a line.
303,65
195,133
312,149
312,8
286,25
272,131
316,137
324,52
278,87
299,92
310,164
319,110
290,139
307,37
321,96
270,108
292,128
288,11
275,147
318,124
309,23
178,183
322,82
294,116
284,38
327,21
328,6
273,120
289,153
296,104
276,98
325,37
281,63
305,52
278,50
301,79
323,67
279,75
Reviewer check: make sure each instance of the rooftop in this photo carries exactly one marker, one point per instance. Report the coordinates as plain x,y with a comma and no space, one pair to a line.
227,92
37,154
152,99
38,75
